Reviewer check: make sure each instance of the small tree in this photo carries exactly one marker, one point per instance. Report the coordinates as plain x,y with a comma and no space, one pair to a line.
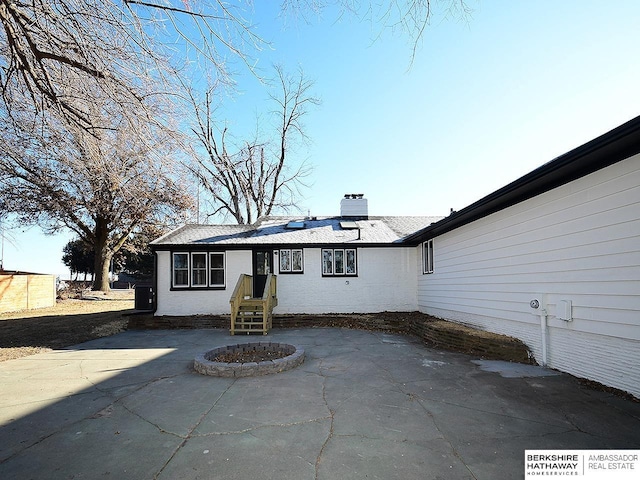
136,258
257,176
79,257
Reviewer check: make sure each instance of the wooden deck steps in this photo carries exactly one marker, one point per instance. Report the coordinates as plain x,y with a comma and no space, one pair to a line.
250,314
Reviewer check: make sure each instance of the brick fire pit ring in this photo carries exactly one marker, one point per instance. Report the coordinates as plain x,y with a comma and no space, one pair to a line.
205,364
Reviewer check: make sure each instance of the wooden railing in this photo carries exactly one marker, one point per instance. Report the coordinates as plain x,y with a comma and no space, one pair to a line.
269,299
243,290
250,314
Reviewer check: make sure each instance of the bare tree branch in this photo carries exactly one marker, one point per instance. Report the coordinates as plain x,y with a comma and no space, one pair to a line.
102,185
258,176
121,47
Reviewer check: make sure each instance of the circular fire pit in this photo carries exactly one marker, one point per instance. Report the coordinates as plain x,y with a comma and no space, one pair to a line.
210,363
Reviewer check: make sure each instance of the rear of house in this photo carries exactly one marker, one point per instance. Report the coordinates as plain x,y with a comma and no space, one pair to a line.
552,259
351,263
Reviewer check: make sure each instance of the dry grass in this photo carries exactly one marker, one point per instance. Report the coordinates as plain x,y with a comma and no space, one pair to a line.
70,322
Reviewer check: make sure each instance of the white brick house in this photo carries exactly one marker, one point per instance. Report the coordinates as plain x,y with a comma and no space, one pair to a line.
345,264
566,237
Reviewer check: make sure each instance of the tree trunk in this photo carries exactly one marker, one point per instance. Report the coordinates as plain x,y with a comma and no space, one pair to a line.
103,256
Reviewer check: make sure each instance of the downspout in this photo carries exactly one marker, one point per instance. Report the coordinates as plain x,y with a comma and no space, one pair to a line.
155,283
543,332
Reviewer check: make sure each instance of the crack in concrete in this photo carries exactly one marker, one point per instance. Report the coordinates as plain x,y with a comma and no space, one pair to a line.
454,450
261,427
489,412
153,424
331,425
108,394
575,426
193,428
37,442
412,396
430,415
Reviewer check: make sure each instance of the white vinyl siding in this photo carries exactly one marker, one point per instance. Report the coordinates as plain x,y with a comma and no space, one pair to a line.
580,243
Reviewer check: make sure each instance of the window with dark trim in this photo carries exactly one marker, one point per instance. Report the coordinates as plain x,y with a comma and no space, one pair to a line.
339,262
198,270
291,261
216,269
427,256
180,268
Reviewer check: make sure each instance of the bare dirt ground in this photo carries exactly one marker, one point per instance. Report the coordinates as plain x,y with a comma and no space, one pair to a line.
70,322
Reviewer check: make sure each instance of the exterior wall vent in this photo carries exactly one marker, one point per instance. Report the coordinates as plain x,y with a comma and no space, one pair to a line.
354,205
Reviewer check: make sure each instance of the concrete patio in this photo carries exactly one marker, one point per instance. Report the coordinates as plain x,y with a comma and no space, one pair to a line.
362,405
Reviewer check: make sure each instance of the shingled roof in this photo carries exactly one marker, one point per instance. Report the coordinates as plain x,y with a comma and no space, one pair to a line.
290,230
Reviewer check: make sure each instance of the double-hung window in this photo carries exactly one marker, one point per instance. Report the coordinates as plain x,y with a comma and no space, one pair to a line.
339,261
427,256
180,269
198,270
291,261
216,269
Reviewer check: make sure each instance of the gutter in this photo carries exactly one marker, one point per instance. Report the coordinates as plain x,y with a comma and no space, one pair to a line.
601,152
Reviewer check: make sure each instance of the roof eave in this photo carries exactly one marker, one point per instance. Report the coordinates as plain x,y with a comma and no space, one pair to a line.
601,152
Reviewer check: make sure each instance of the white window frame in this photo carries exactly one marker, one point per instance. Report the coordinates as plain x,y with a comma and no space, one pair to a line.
173,270
327,271
339,267
291,253
211,269
191,270
294,253
345,254
427,256
346,261
204,269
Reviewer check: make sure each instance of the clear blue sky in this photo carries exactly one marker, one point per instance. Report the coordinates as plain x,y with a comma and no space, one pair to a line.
484,102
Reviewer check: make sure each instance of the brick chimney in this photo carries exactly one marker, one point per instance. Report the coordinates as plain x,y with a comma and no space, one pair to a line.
354,205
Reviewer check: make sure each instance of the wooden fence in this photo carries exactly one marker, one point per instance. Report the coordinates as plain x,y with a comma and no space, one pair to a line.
24,291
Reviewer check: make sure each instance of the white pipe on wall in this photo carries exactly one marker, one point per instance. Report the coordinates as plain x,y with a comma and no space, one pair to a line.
538,305
543,332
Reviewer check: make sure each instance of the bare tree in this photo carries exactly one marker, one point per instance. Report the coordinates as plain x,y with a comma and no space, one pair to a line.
79,131
407,17
119,47
101,185
251,178
123,46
